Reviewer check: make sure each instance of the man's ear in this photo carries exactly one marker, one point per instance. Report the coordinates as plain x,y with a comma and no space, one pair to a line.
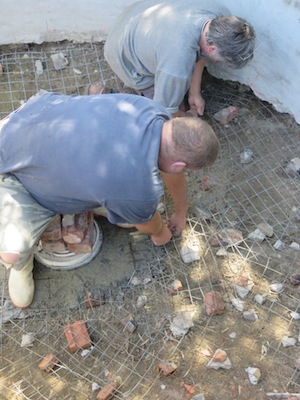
177,167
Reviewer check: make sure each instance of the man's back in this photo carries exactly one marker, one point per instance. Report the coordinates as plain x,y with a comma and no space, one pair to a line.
74,153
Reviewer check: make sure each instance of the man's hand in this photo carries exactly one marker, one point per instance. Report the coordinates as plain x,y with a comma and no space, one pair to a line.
197,104
177,224
159,232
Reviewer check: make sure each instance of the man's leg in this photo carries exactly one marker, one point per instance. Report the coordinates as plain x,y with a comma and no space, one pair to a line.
22,220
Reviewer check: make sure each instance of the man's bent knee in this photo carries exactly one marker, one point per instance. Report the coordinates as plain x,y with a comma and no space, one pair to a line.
10,258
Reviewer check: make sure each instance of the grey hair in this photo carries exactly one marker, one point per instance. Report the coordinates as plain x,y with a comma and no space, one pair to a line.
234,39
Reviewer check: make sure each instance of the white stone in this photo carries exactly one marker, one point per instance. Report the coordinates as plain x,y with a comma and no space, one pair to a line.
141,301
242,291
135,281
266,229
222,252
246,156
293,167
287,341
250,315
27,339
260,299
38,67
232,335
181,324
295,315
257,236
190,253
279,245
276,287
237,303
295,246
95,386
59,61
254,375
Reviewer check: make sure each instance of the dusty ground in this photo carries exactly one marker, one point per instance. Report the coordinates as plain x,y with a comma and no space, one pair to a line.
128,266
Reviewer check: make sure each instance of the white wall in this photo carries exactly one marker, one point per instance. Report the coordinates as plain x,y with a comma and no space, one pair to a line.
273,75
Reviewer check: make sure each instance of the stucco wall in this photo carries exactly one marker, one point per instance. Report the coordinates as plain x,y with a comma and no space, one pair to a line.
274,73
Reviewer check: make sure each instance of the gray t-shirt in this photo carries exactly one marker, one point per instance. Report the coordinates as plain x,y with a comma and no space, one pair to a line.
76,153
157,43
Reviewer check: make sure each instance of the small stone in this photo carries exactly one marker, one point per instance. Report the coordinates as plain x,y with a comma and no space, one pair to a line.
254,375
95,386
135,281
295,246
237,303
257,236
141,301
276,287
243,279
265,228
295,279
287,341
293,168
59,61
219,360
190,253
129,325
246,156
181,324
243,291
279,245
214,304
167,368
260,299
38,67
175,287
232,335
250,315
295,315
226,115
199,396
147,280
28,339
222,252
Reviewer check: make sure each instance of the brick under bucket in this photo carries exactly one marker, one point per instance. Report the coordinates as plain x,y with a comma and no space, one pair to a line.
69,241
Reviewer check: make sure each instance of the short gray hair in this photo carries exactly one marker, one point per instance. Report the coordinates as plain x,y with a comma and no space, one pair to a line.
234,39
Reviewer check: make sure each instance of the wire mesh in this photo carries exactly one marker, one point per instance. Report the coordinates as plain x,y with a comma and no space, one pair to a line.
239,196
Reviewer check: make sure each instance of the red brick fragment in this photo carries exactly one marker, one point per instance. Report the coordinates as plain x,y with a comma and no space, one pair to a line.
91,301
167,368
48,363
108,391
214,304
86,244
54,246
77,336
219,356
226,115
53,230
74,227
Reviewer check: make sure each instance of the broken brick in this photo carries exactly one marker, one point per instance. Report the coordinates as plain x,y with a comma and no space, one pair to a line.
74,227
91,301
48,363
226,115
108,391
77,336
86,244
167,368
53,230
54,246
214,304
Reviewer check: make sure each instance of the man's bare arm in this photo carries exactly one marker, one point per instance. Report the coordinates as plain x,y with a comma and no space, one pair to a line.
155,227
